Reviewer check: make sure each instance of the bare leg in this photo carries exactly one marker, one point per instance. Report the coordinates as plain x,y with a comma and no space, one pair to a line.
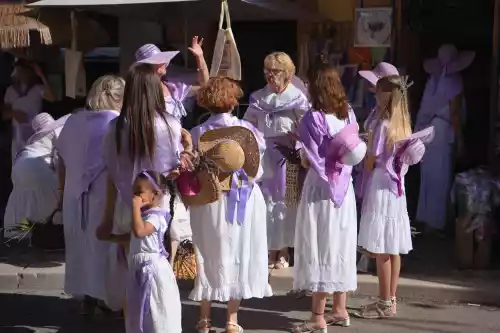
395,269
204,323
318,309
174,246
339,308
384,276
232,315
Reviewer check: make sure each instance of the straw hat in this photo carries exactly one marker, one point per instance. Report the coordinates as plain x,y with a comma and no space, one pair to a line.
382,70
223,152
151,54
43,124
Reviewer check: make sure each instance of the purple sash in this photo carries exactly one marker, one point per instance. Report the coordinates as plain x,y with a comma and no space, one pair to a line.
238,197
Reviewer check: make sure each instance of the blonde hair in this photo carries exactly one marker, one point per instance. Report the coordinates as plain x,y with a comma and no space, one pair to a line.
396,110
280,61
106,93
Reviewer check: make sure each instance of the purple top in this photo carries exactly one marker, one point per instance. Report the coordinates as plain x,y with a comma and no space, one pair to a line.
173,103
80,146
167,153
317,139
225,120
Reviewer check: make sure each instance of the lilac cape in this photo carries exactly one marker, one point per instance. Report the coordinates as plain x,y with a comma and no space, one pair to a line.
140,287
174,103
123,171
80,147
439,91
317,144
265,102
237,198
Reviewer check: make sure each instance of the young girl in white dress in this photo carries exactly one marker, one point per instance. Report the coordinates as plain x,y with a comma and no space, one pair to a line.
153,301
325,236
385,227
231,255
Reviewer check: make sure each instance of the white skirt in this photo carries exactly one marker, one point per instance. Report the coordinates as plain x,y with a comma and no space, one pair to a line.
34,195
231,259
384,226
325,240
280,225
162,304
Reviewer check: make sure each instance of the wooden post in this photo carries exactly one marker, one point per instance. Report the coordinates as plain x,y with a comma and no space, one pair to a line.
494,84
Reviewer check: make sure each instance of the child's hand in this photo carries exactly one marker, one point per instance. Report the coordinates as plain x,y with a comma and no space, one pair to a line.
186,140
137,202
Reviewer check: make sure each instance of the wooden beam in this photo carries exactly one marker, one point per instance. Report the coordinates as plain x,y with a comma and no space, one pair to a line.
494,85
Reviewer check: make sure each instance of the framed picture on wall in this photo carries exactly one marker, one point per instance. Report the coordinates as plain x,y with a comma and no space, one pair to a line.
373,27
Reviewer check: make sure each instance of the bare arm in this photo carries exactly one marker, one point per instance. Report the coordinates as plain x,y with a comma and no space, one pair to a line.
370,159
48,93
202,67
140,228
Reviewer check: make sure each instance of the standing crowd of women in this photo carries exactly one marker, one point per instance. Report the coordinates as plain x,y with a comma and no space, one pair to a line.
130,178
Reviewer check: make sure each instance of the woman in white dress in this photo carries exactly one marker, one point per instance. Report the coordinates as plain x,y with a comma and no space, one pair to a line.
175,93
231,252
274,110
23,101
35,193
83,181
143,137
325,236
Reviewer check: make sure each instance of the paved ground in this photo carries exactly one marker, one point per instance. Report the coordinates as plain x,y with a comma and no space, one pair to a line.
51,312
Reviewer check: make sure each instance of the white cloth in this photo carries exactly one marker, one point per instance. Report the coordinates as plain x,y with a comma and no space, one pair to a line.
281,228
34,195
164,313
325,236
231,258
384,226
31,104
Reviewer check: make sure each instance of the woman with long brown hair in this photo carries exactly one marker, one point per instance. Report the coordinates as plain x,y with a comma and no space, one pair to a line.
143,137
325,237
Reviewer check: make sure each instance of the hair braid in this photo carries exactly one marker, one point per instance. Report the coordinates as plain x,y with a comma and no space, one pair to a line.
172,191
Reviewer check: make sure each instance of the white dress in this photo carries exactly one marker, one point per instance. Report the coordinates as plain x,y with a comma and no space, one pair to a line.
31,104
325,236
34,195
153,298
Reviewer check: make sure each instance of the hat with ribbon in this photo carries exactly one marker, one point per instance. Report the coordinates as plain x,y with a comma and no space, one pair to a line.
228,159
43,124
449,61
382,70
409,151
151,54
347,145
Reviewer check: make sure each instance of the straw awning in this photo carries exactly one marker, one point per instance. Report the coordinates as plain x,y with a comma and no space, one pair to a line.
18,27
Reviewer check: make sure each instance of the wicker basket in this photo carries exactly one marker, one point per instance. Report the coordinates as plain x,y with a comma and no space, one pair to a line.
293,184
185,262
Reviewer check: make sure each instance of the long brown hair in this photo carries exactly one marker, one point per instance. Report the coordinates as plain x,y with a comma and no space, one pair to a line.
143,101
326,91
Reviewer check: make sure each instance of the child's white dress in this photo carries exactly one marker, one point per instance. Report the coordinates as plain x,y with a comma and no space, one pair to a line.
153,301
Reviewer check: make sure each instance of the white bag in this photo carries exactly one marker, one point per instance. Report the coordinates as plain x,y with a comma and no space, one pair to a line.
76,84
226,59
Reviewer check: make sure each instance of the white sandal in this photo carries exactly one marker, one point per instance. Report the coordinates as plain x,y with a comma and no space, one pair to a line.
203,325
237,328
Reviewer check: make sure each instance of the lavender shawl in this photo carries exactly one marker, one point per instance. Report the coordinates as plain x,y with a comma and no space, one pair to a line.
316,138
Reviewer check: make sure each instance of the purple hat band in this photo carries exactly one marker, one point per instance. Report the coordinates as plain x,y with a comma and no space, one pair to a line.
146,51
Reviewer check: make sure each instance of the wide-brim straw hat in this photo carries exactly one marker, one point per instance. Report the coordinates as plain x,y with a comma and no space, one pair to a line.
222,152
151,54
43,124
383,69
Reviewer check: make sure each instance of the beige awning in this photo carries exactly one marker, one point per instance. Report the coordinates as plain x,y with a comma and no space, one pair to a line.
18,26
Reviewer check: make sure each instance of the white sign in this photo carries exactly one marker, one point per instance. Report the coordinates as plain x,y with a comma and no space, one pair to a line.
373,27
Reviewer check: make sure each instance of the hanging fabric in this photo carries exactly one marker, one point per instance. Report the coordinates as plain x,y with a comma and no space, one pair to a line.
226,59
76,84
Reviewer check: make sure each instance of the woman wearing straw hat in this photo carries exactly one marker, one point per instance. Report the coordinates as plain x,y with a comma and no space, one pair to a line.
143,137
175,93
443,107
35,195
274,110
83,185
23,101
229,228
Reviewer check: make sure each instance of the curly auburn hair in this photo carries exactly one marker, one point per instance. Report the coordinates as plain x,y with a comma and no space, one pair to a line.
219,95
326,91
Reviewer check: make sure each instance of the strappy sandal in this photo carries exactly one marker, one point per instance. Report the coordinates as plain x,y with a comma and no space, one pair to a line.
204,325
377,310
233,328
394,302
331,320
308,327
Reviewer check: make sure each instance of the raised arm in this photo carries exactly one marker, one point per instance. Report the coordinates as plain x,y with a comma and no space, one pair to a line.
202,67
48,93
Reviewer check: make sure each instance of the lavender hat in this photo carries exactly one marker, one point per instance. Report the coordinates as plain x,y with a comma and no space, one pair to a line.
449,61
348,145
382,70
44,124
151,54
